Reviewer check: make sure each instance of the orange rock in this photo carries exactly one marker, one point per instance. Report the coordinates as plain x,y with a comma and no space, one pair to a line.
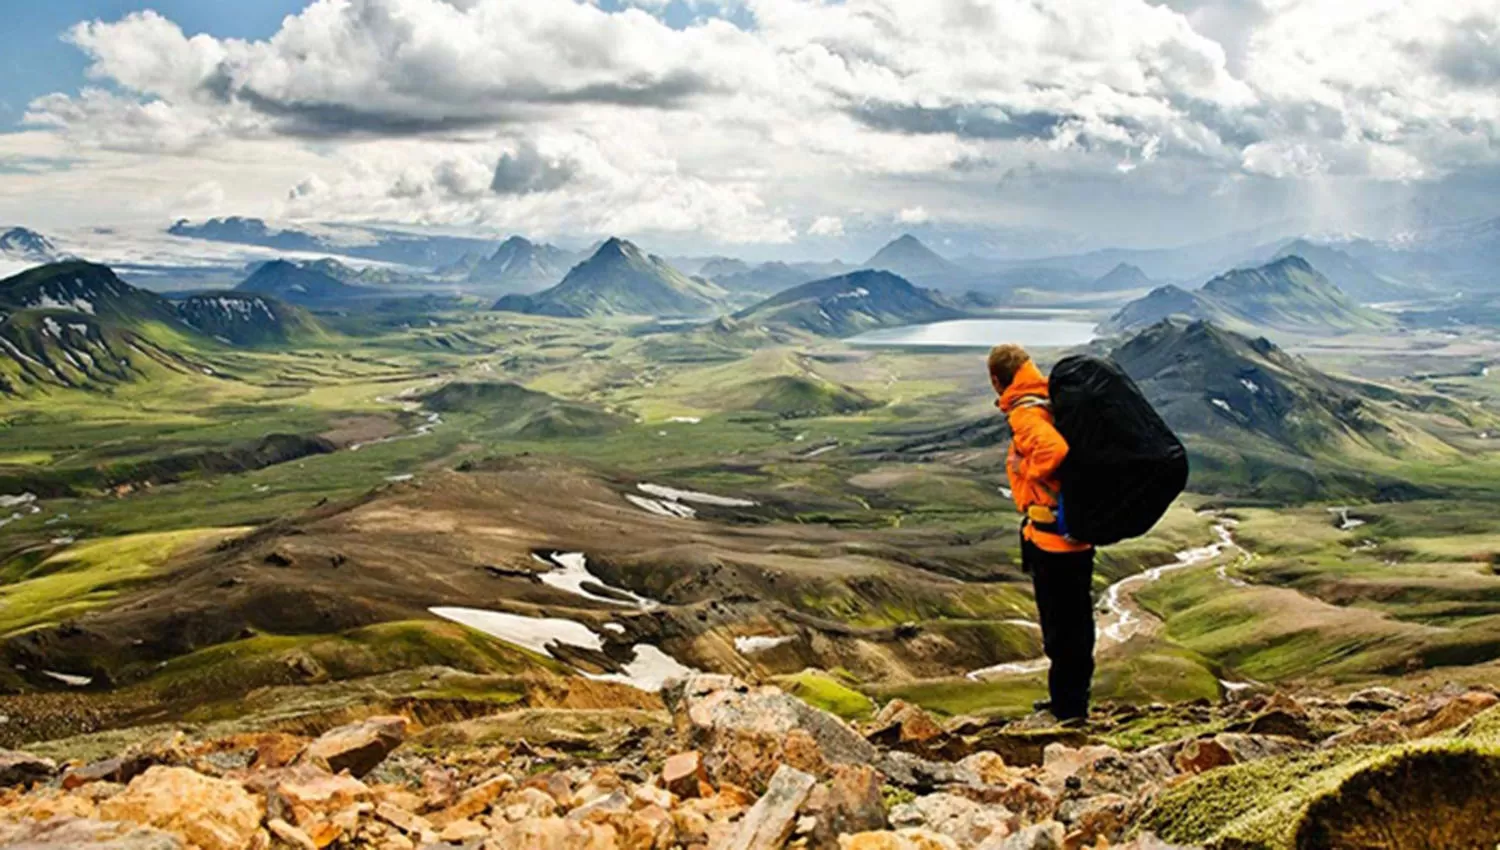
460,831
684,775
358,747
1203,755
1456,712
211,813
475,800
290,834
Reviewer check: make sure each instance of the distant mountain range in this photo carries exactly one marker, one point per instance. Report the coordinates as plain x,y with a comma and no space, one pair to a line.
621,280
388,246
1287,295
767,278
523,266
849,304
76,325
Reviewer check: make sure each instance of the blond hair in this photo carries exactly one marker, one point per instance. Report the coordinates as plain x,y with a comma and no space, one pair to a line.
1005,361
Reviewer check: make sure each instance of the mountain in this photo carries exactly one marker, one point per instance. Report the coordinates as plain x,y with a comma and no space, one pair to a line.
365,276
768,278
519,413
1351,276
849,304
24,245
523,266
620,279
908,257
301,285
1286,295
1123,277
76,325
1253,415
248,319
87,288
720,267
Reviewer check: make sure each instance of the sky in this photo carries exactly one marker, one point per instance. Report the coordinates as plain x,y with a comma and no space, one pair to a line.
771,128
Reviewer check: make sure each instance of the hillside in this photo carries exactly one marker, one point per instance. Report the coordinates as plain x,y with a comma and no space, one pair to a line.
1287,295
620,280
249,319
849,304
908,257
301,285
1253,412
86,288
514,411
522,266
1351,276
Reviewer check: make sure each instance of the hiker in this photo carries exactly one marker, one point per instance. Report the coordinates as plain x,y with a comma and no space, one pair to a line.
1061,568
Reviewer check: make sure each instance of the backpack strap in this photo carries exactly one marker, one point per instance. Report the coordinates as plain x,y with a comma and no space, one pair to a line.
1031,401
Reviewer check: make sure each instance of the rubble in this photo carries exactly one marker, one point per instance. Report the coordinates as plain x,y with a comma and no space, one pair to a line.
751,768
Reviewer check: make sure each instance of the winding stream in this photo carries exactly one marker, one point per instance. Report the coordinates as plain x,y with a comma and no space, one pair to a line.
1121,618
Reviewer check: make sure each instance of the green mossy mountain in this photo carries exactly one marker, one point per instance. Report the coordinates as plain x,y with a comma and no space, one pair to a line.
1286,295
850,304
247,319
796,396
1352,277
621,280
76,325
1244,403
524,414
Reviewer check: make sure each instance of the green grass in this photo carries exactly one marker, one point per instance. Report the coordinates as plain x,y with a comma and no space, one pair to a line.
91,574
264,660
823,690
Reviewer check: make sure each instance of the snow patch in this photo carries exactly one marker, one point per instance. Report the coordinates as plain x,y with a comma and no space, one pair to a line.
672,494
686,420
668,509
1250,385
760,643
15,501
650,670
1222,404
573,571
533,633
69,679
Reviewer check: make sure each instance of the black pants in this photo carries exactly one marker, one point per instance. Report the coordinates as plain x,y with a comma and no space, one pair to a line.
1064,583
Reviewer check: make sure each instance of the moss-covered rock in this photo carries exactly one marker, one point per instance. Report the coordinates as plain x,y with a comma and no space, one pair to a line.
1435,792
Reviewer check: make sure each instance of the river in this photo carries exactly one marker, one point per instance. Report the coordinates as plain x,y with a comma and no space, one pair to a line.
1120,618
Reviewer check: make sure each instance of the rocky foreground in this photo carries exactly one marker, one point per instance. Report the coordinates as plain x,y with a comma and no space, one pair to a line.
735,767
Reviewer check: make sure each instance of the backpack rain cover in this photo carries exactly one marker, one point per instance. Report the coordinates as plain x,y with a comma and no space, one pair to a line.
1124,465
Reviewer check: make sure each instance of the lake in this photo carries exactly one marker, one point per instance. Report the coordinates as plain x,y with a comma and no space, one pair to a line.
982,333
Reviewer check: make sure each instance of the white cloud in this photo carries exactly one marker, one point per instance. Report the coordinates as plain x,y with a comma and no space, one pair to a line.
565,117
826,225
913,215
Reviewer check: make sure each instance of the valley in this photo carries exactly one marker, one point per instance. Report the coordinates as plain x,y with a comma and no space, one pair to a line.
322,492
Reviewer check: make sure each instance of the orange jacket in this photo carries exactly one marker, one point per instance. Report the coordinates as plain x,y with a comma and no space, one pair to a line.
1036,451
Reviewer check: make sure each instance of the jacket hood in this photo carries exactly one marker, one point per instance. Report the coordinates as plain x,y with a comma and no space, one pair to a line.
1029,381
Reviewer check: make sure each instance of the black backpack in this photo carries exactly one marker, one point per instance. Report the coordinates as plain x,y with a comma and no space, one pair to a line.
1124,465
